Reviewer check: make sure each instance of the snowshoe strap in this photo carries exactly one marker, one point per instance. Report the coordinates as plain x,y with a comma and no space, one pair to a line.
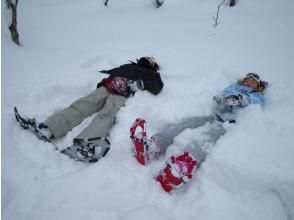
31,125
138,123
23,122
138,136
176,181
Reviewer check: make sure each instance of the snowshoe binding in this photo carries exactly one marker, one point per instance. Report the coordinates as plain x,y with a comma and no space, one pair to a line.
31,125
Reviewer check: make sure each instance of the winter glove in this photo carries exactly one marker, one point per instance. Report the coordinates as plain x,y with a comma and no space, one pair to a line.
120,85
233,100
230,101
135,85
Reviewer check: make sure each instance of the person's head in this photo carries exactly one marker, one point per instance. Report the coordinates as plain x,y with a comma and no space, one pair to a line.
251,80
148,62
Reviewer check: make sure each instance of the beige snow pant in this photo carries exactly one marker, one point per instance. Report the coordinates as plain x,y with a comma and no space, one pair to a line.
101,101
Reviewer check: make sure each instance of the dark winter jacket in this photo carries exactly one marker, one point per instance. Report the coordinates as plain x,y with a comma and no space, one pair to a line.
132,71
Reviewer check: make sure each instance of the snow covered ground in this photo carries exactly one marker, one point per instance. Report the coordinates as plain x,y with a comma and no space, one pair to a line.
248,173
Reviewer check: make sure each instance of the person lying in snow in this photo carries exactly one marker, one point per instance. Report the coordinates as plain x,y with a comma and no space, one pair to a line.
179,169
106,100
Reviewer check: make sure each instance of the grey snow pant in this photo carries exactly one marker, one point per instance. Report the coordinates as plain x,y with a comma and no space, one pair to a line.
101,101
215,130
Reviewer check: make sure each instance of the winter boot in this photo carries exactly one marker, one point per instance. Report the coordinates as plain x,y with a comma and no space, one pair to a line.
144,149
92,149
177,171
43,128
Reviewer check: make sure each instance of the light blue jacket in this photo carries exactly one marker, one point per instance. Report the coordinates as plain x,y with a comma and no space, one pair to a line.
249,97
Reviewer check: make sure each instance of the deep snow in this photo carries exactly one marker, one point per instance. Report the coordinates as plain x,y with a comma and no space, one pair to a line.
248,173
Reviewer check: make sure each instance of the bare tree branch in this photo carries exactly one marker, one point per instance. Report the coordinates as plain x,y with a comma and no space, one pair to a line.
159,3
13,26
217,13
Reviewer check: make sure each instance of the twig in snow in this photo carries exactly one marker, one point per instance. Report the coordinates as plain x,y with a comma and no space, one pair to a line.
217,13
159,3
13,26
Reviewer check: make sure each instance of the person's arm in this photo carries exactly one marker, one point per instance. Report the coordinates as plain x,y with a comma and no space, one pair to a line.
230,90
153,86
118,71
257,98
240,99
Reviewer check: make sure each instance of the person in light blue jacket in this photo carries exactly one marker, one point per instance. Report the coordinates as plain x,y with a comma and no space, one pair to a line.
239,95
228,103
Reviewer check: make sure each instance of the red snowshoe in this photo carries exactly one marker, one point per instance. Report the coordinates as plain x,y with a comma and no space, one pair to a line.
144,149
177,171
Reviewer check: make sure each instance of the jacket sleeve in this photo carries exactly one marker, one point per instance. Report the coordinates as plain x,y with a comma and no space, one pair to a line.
108,71
118,71
230,90
249,97
257,98
153,86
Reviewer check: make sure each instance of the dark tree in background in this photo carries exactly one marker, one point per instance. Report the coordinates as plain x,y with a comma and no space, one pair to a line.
13,26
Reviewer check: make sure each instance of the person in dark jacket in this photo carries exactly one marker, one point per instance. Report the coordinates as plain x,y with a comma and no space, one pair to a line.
142,75
109,96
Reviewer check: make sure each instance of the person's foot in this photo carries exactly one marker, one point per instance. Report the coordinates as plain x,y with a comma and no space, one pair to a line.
92,149
43,128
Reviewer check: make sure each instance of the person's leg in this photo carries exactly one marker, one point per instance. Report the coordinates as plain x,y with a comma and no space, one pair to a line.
63,121
103,121
198,148
165,137
180,169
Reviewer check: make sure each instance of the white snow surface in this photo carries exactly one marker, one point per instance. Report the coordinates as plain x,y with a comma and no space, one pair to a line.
248,173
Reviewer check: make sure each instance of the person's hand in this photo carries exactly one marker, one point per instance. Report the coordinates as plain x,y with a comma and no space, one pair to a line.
233,100
218,99
120,85
135,85
229,101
